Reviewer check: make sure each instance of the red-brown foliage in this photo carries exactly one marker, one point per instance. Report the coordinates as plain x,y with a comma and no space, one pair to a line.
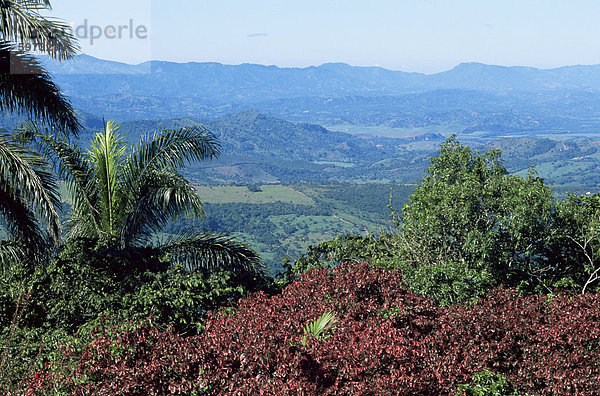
386,340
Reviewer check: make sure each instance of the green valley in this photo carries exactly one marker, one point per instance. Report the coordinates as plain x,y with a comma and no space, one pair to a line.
282,220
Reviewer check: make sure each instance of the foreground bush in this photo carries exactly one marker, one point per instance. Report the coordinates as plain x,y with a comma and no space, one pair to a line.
41,308
86,282
383,340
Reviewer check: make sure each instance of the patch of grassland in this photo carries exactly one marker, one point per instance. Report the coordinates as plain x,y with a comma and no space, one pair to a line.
269,193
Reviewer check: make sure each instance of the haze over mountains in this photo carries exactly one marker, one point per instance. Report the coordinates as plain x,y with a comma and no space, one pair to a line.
471,98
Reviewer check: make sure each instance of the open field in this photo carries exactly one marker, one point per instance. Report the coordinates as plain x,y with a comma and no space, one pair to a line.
283,220
241,194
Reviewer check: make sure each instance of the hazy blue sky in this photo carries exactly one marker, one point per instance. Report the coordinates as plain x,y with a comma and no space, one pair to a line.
409,35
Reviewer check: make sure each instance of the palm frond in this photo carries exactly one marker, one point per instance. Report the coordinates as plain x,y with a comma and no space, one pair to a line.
73,167
26,88
320,327
171,149
208,252
27,178
12,252
22,22
162,196
106,153
81,224
23,227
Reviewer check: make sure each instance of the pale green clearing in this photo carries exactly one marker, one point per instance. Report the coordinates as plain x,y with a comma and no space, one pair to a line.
241,194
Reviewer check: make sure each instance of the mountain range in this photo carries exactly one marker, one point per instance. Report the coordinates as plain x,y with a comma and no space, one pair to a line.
216,80
268,119
472,98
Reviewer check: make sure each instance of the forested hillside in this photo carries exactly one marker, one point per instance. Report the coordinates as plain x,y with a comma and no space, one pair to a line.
259,148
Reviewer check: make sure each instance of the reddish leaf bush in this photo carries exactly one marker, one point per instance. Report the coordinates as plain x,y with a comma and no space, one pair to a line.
126,359
385,341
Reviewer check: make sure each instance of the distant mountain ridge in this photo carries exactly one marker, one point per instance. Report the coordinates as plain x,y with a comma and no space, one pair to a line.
485,100
332,79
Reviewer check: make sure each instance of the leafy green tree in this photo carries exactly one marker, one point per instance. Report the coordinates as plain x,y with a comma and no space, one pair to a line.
578,238
476,224
124,197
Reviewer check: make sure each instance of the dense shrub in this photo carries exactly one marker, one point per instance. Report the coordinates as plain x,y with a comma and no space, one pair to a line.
487,383
121,359
383,249
86,282
385,340
448,282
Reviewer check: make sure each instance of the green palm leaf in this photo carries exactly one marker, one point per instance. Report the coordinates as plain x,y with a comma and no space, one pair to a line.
170,149
105,154
28,198
22,22
162,197
74,167
12,251
208,252
320,327
23,227
28,190
26,88
27,177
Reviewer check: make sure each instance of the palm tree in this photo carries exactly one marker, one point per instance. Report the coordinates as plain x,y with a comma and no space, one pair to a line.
25,86
28,194
123,197
28,201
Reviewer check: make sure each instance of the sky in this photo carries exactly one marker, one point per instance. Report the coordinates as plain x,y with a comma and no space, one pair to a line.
410,35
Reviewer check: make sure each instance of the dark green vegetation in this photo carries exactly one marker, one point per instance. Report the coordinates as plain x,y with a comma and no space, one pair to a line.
42,308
